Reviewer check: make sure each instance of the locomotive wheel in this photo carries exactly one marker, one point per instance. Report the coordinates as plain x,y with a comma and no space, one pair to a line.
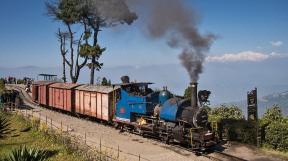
165,139
140,132
196,145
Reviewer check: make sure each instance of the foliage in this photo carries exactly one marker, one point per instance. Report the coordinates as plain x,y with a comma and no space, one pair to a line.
105,82
272,114
88,50
274,129
277,135
2,85
225,112
4,126
273,126
187,93
20,81
232,124
27,154
34,138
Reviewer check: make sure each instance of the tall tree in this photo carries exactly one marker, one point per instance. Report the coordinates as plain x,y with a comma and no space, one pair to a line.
99,14
68,12
92,15
104,81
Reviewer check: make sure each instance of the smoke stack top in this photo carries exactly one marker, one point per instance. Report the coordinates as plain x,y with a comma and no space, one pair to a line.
170,19
194,99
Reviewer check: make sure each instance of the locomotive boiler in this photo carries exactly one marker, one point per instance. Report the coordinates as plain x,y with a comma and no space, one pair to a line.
187,121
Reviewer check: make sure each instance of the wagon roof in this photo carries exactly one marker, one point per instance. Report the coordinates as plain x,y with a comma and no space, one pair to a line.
43,82
134,83
64,85
97,88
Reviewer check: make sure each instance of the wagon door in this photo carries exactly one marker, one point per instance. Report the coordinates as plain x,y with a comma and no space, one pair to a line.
105,105
93,104
87,103
56,97
77,101
59,98
99,106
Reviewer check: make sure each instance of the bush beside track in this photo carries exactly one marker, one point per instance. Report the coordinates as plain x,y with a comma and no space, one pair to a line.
23,133
273,127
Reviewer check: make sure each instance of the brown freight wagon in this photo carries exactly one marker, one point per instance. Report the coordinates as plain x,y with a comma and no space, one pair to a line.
96,101
40,93
62,96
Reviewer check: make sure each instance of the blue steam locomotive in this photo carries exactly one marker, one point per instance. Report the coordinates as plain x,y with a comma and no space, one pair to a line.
161,115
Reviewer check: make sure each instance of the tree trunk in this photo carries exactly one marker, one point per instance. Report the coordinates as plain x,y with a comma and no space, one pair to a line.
64,71
71,54
93,59
62,39
92,70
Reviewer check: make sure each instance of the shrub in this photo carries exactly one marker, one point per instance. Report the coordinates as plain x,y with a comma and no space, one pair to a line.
20,81
276,135
4,126
35,122
272,114
225,112
43,127
24,154
232,124
274,129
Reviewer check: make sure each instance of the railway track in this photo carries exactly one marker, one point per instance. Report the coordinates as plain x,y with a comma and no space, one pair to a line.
213,155
222,156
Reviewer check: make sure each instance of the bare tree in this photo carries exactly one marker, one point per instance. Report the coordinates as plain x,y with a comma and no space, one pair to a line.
66,11
91,15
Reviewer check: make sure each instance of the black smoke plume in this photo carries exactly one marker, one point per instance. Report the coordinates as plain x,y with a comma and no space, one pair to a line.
172,20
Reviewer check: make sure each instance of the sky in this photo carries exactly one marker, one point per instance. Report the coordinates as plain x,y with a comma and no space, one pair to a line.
250,34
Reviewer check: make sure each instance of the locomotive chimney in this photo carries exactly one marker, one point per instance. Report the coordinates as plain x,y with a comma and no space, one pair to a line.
125,79
194,100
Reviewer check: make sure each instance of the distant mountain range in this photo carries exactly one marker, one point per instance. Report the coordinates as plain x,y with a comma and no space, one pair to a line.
228,82
280,99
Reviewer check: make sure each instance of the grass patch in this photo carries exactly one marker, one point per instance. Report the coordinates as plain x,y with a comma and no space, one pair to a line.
31,137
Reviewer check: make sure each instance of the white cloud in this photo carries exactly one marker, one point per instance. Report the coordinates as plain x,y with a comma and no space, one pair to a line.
244,56
276,43
278,55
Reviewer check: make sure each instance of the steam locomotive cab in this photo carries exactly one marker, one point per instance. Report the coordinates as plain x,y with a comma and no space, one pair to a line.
136,100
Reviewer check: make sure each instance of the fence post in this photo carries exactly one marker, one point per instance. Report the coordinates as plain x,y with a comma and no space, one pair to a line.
46,121
139,157
51,124
100,150
85,137
118,153
61,126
